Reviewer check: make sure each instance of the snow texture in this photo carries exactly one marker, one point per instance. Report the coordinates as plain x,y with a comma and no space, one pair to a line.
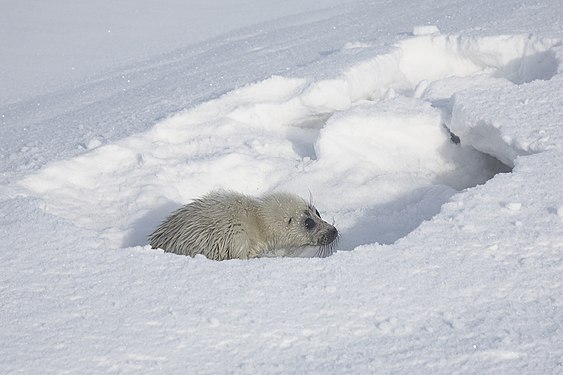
430,134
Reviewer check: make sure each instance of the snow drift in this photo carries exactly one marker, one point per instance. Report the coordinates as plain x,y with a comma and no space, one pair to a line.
381,126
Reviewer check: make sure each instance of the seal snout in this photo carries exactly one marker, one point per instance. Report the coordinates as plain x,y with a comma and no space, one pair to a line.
328,237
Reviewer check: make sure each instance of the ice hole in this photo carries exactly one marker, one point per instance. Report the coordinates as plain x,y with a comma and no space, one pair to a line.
389,221
539,66
396,165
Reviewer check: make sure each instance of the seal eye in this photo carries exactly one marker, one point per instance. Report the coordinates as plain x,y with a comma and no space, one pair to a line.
310,223
289,221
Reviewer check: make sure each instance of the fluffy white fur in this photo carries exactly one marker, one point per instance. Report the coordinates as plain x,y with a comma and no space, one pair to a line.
228,225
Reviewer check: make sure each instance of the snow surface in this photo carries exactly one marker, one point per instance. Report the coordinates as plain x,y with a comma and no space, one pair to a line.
48,44
431,135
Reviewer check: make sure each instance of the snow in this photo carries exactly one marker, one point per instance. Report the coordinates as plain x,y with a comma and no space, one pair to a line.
430,134
61,43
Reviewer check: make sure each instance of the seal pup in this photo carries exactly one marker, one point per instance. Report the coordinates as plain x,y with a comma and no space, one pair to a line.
228,225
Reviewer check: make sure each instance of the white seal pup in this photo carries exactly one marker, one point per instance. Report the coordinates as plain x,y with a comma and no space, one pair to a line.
228,225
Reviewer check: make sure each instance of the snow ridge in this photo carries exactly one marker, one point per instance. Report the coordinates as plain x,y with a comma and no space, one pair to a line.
381,117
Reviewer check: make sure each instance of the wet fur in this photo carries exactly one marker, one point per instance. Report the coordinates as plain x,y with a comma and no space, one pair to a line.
228,225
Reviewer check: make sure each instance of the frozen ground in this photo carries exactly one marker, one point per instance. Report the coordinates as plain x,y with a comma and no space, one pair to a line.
431,134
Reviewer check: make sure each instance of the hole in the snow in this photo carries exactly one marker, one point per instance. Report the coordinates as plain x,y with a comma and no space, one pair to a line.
399,164
392,220
539,66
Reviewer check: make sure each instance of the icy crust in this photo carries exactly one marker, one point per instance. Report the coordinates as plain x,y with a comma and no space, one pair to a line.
380,126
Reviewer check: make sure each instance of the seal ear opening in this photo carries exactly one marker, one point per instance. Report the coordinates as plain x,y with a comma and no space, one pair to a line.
289,221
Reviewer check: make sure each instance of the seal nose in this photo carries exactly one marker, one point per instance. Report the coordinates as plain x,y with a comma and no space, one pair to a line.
332,234
329,236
